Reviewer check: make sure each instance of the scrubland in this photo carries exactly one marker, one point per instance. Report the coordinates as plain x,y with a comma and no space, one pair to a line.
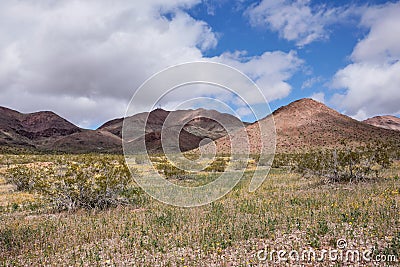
67,212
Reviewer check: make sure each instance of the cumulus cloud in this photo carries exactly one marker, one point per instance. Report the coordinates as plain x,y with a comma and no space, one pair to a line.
270,71
298,20
311,82
320,97
372,80
382,43
84,59
67,51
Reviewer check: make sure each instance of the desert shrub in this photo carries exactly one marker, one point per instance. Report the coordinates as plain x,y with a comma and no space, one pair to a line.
141,159
171,171
239,164
166,168
20,177
218,165
265,160
256,157
92,183
191,155
344,165
283,160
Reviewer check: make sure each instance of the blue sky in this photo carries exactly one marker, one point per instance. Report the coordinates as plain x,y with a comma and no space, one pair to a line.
322,58
84,60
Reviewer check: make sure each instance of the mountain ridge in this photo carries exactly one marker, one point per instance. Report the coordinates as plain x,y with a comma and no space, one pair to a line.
304,123
385,121
308,124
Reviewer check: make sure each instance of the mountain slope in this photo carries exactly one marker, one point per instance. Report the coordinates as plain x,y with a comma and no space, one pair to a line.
302,125
46,131
88,141
387,122
191,126
307,124
33,129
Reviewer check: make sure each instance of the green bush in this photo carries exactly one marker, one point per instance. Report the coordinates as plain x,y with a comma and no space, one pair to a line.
92,183
344,165
20,177
218,165
239,164
170,171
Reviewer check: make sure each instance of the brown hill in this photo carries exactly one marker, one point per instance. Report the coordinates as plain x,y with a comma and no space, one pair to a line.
302,125
113,126
46,131
191,126
33,129
88,141
307,124
387,122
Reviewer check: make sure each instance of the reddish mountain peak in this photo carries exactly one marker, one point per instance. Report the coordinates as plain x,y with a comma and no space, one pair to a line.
111,123
303,112
305,104
34,126
8,110
9,113
159,111
386,121
308,124
39,121
384,117
157,116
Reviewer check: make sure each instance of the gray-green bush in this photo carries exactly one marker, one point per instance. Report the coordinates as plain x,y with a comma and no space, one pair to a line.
93,183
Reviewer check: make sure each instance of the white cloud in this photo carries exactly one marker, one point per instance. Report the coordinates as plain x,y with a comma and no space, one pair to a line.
297,20
361,115
84,59
372,80
270,71
320,97
244,111
96,50
83,111
310,82
382,43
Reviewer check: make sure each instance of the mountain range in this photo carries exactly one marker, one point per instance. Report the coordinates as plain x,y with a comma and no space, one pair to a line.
308,124
387,122
300,125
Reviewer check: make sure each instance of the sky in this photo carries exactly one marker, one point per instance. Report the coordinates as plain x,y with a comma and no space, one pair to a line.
84,60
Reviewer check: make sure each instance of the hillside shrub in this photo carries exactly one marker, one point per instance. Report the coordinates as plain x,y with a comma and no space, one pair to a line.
20,177
171,171
344,165
92,183
218,165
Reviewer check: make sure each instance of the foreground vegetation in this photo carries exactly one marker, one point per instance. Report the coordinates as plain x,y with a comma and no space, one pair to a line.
290,210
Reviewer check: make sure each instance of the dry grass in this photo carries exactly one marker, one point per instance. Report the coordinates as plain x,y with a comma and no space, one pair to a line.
286,212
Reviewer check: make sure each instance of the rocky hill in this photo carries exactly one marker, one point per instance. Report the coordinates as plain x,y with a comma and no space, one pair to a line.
308,124
302,125
192,126
46,131
387,122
